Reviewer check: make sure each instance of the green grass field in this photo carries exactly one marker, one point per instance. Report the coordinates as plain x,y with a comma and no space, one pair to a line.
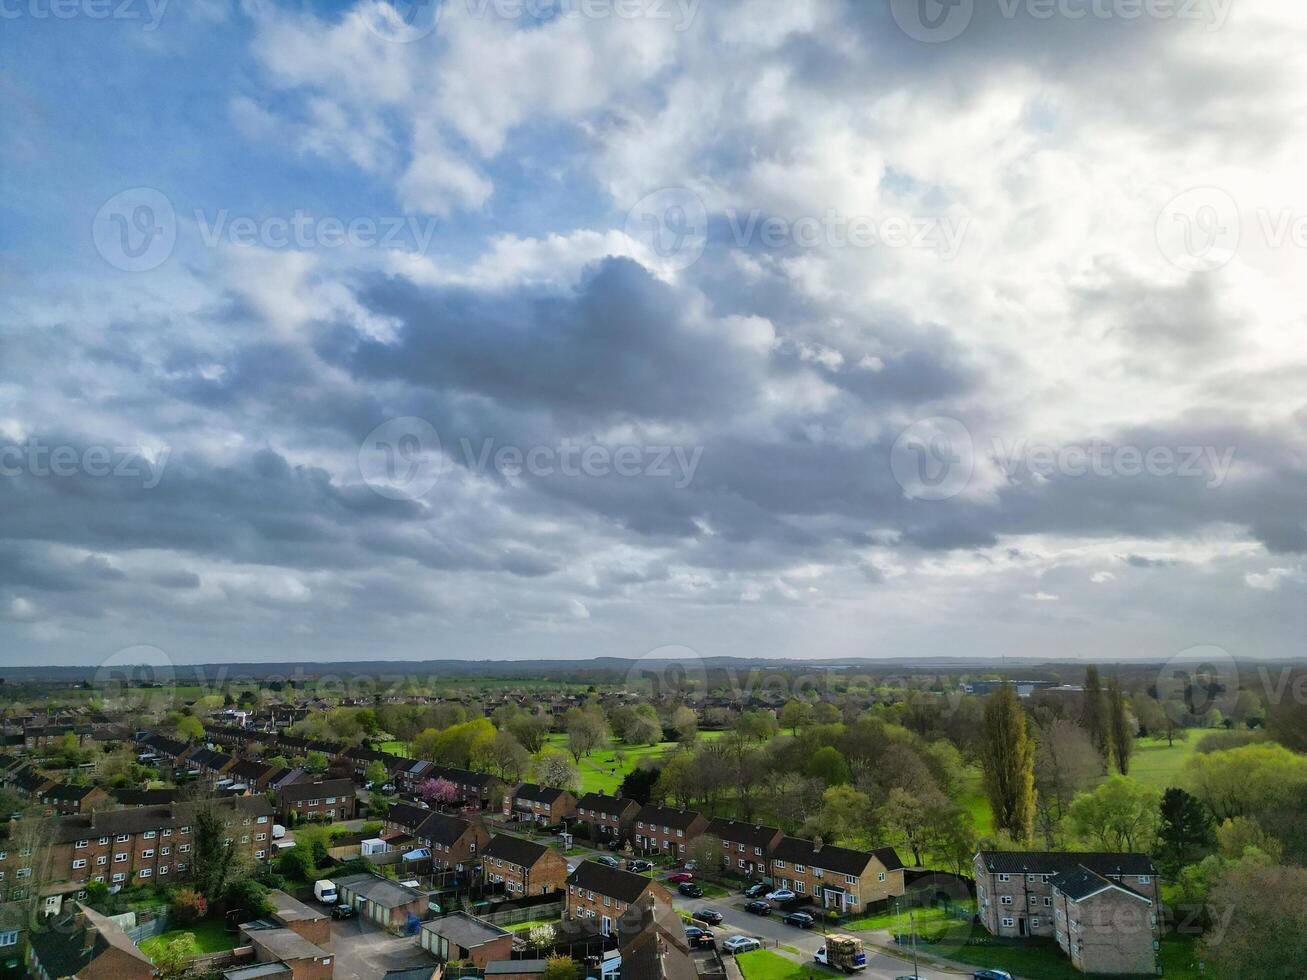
763,964
211,936
1153,764
603,772
1047,962
899,922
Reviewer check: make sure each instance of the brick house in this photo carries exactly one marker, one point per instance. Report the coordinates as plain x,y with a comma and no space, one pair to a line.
143,845
327,799
666,830
838,878
543,805
746,847
524,867
1014,889
88,946
1104,926
454,841
602,896
277,945
610,816
65,799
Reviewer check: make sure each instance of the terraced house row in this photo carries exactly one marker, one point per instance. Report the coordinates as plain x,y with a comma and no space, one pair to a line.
121,847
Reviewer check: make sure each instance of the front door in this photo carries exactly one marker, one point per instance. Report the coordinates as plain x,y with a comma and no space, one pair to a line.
1023,926
607,925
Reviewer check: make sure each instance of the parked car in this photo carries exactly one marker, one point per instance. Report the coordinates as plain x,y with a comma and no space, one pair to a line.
757,908
800,919
710,916
691,865
680,876
740,944
991,975
689,889
343,911
278,831
755,891
614,845
781,895
699,938
610,861
638,866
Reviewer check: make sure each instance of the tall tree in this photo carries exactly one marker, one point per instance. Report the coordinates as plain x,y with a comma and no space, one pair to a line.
1119,815
1007,756
1265,932
1187,832
1094,718
1065,765
1122,738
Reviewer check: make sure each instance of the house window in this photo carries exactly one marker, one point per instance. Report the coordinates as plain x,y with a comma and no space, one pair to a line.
849,879
81,843
1145,879
1048,900
163,870
181,868
79,863
780,864
183,848
880,877
167,833
184,830
8,938
1034,923
798,869
101,860
165,851
1007,923
121,839
1003,877
149,834
147,854
103,840
146,872
119,876
800,887
1005,900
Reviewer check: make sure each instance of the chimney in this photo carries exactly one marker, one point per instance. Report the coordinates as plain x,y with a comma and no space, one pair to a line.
817,844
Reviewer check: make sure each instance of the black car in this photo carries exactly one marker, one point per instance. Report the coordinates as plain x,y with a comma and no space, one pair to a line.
689,889
699,938
638,866
755,891
710,916
801,919
343,911
757,908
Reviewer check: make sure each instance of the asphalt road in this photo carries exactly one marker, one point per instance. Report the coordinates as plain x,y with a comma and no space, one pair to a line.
880,966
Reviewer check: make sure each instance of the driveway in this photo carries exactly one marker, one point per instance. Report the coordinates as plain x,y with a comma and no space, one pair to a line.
365,952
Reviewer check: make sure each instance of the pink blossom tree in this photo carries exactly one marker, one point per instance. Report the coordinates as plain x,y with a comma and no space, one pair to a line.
438,791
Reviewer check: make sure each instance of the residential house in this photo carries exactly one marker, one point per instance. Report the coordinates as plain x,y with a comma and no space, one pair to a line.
607,897
1014,889
454,841
544,805
746,847
1104,926
88,946
840,878
307,921
524,867
65,798
612,817
143,845
286,948
326,799
666,830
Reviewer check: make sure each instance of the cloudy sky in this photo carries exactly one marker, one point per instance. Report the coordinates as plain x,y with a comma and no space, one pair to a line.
491,329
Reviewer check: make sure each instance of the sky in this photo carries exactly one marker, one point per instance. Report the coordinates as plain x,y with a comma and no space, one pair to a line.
512,329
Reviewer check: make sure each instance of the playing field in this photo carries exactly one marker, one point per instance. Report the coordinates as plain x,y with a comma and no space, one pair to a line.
603,770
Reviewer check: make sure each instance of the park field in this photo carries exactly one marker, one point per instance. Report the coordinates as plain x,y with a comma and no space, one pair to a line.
603,770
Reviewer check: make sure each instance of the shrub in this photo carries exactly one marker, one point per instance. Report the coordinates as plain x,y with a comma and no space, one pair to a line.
188,906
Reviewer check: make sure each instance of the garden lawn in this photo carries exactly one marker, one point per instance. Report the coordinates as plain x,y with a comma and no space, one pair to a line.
601,772
211,936
395,748
1158,764
531,924
901,921
763,964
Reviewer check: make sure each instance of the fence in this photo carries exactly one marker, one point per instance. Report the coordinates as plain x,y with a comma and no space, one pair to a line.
509,917
149,923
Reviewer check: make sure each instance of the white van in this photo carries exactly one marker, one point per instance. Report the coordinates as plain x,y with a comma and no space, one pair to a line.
325,891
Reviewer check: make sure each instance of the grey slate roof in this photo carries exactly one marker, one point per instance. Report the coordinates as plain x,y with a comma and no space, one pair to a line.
1106,863
464,930
625,886
386,893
